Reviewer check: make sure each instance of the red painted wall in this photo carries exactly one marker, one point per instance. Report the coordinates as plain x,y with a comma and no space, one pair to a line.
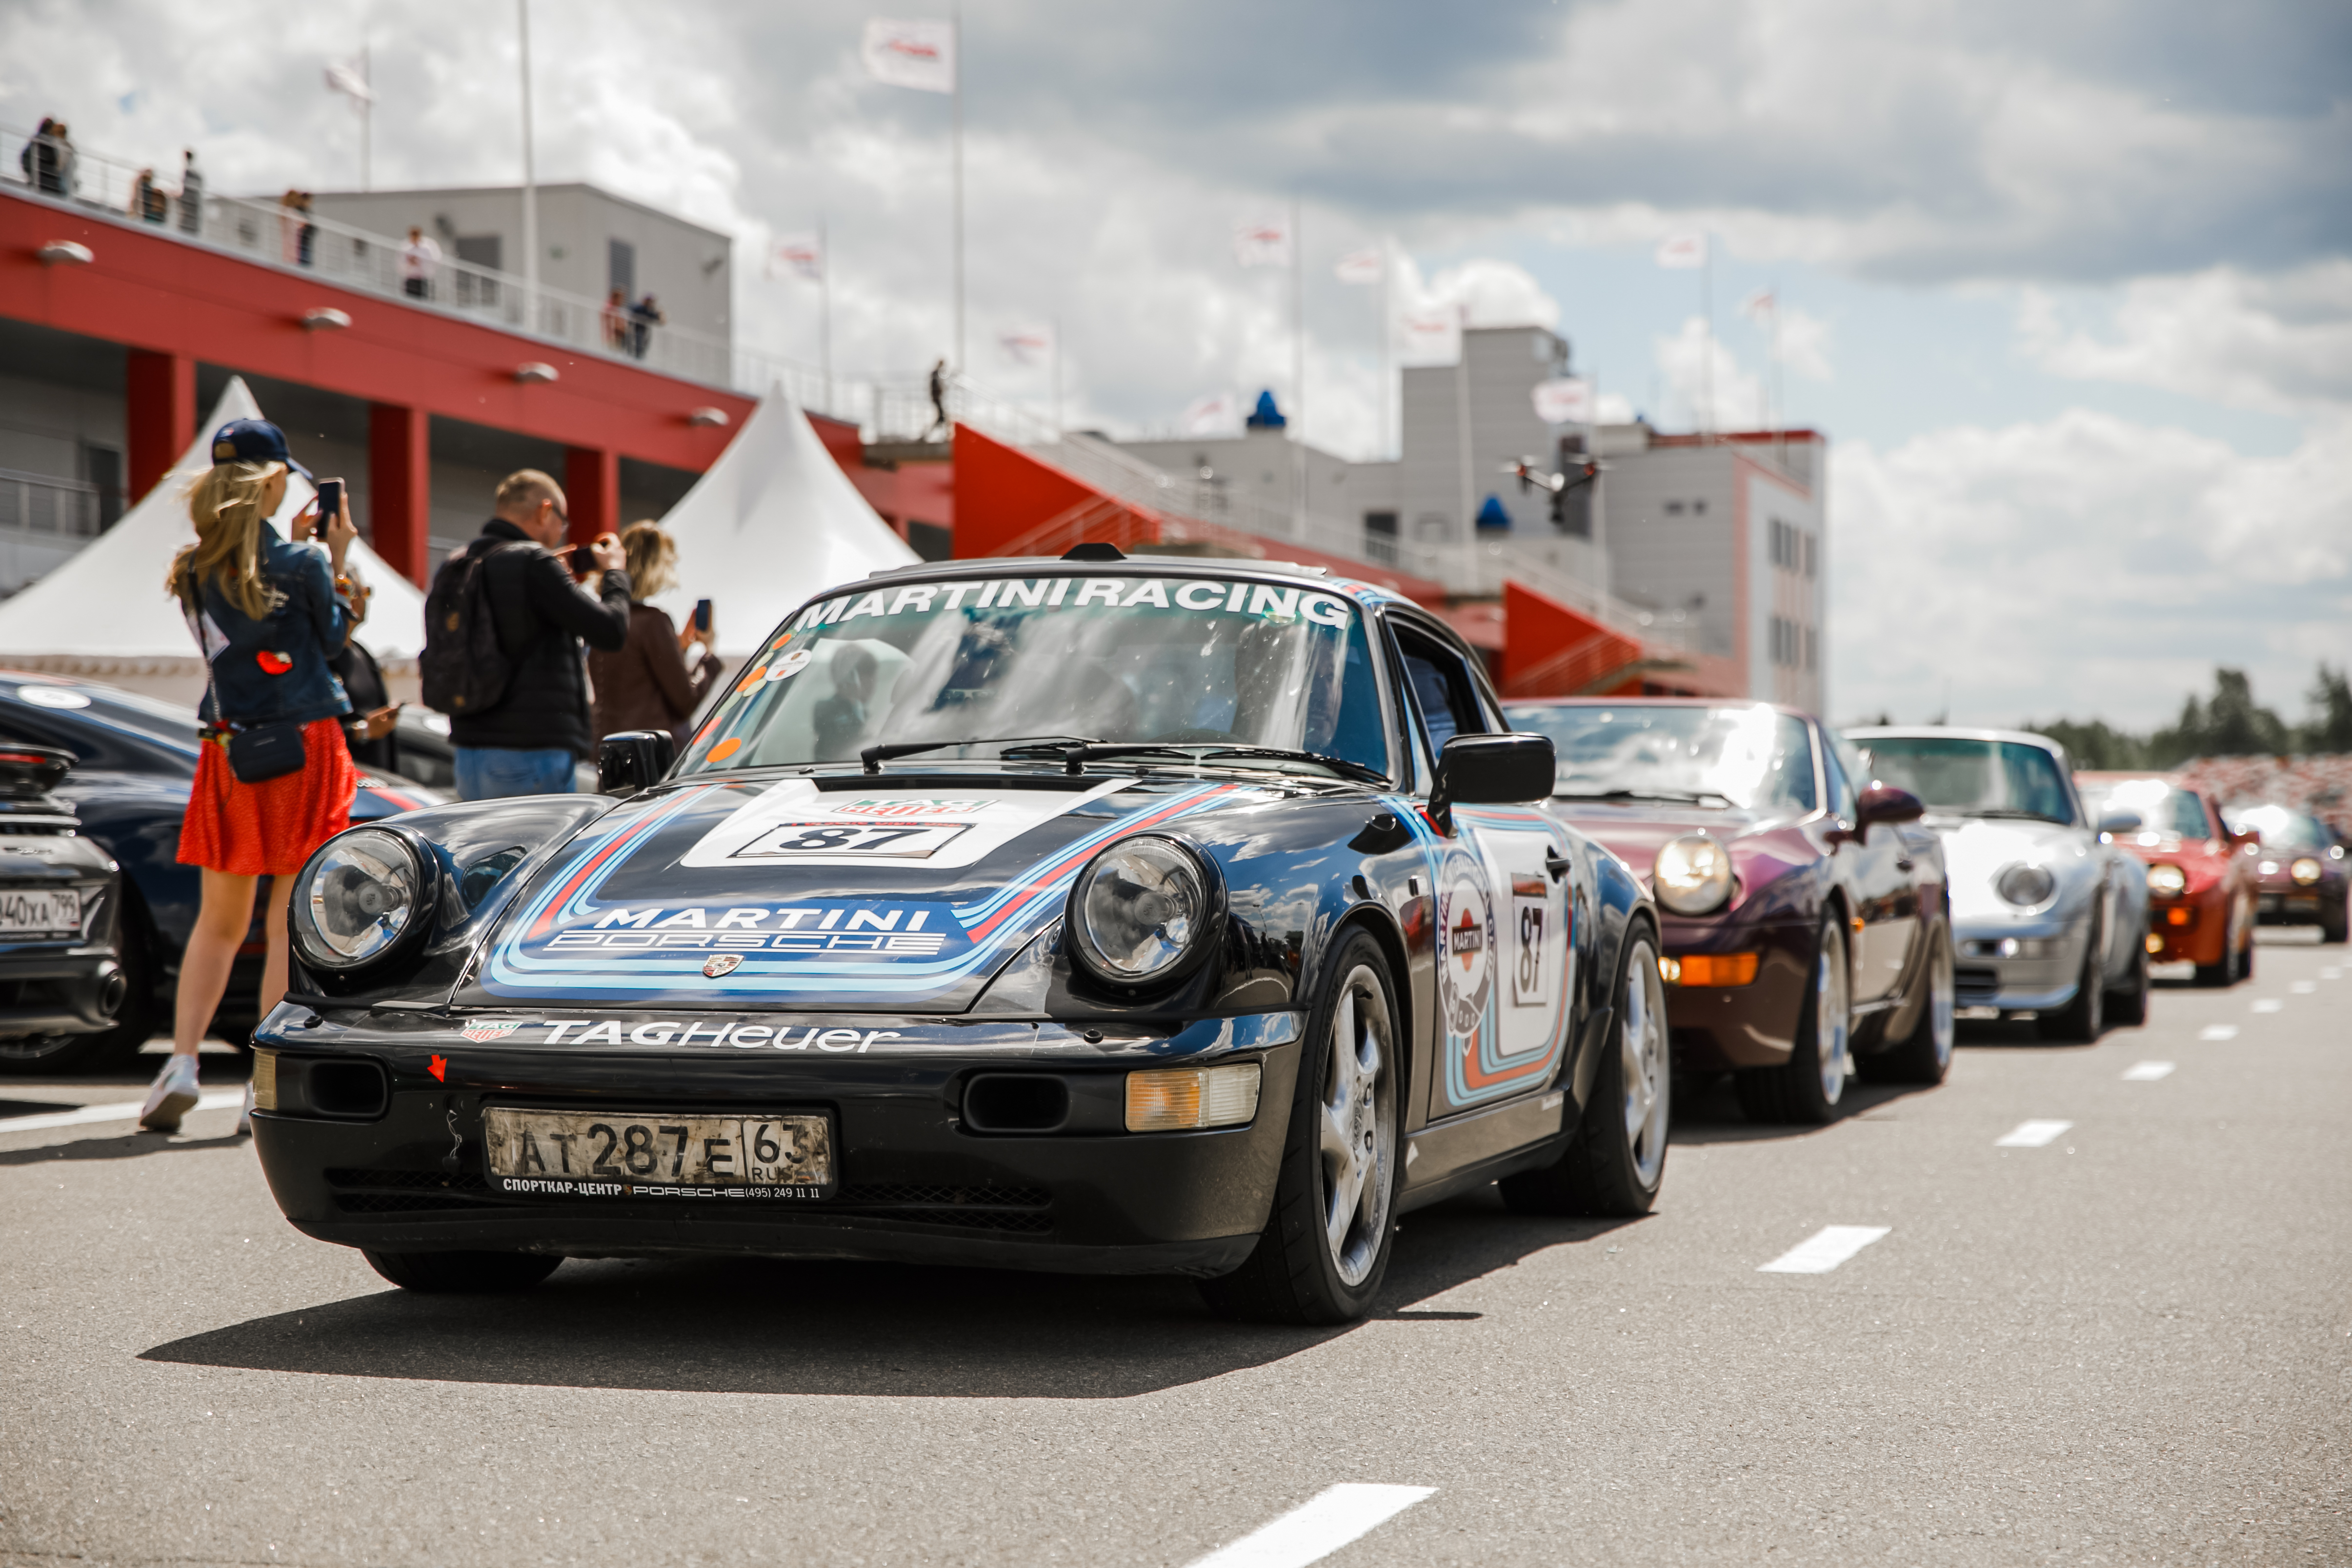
159,294
1003,492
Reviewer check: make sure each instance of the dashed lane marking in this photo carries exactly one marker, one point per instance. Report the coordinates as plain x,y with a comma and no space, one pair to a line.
2146,1072
2218,1032
2270,1005
123,1111
2031,1135
1318,1528
2304,987
1825,1249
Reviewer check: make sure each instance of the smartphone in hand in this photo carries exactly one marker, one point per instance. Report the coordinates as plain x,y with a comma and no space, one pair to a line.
583,560
331,501
702,615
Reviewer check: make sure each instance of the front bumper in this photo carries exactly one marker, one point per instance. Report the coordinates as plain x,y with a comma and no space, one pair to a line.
59,990
915,1184
2283,901
2044,974
1715,1029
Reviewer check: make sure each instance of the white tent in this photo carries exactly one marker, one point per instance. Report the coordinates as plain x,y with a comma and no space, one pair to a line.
104,614
771,522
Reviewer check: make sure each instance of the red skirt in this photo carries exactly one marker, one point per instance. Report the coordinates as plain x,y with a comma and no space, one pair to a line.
269,829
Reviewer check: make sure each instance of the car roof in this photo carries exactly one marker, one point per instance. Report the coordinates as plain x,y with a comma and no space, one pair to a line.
1656,702
1950,732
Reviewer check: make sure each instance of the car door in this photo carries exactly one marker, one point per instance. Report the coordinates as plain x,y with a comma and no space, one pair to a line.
1876,872
1504,952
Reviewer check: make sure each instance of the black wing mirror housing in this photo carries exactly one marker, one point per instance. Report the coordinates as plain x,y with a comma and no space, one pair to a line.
1491,770
1883,802
633,759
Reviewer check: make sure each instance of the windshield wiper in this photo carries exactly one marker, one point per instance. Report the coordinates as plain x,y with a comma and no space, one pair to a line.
1680,797
872,757
2003,811
1078,757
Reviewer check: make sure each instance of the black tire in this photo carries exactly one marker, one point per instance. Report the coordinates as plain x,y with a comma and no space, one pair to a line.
1300,1273
1925,1055
2127,1008
55,1056
2332,924
2082,1021
1615,1162
1807,1088
462,1273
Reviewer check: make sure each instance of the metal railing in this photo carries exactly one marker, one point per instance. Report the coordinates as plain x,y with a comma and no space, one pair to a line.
47,507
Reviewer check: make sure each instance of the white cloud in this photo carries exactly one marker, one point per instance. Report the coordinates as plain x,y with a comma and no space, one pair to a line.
1709,386
2084,565
1804,344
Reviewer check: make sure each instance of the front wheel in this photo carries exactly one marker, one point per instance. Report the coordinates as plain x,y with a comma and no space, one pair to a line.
462,1273
1808,1086
1325,1248
2128,1007
2236,963
1925,1055
2082,1021
1616,1161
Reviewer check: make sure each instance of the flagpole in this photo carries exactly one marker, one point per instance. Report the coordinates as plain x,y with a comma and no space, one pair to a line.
825,305
955,34
1058,378
1297,371
1388,322
1707,333
367,120
529,182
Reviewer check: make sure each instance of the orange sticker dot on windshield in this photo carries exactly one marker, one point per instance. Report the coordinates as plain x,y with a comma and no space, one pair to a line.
725,747
752,681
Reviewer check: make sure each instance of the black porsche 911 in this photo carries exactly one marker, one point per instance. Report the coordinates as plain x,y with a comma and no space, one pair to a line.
1090,914
60,908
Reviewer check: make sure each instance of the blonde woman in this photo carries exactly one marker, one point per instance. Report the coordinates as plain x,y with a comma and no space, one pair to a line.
268,615
645,684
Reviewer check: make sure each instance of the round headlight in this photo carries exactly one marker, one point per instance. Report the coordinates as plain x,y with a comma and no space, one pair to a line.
2026,885
2304,871
1692,874
1140,912
361,896
2166,881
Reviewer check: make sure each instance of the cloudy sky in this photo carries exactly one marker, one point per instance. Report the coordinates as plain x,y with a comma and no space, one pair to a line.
2068,288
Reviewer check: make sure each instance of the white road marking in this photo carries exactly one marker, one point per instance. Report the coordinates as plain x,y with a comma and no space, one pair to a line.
2270,1005
2031,1135
2146,1072
1318,1528
1825,1249
2218,1032
2333,972
2304,987
123,1110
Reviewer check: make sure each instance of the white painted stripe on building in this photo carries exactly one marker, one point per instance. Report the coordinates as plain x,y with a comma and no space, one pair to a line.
2146,1072
1318,1528
2031,1135
122,1110
1825,1249
2218,1032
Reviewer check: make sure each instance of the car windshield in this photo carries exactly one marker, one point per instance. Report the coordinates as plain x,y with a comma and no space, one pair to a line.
2280,828
1179,661
1746,757
1972,778
2161,808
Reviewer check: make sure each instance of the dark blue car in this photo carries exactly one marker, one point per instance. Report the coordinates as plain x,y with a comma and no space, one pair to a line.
134,761
1090,914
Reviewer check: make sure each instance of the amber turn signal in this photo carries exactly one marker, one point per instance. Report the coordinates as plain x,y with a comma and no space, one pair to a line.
2180,915
265,1080
1178,1100
1713,968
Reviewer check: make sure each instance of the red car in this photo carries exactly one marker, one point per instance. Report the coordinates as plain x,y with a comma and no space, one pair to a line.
2201,885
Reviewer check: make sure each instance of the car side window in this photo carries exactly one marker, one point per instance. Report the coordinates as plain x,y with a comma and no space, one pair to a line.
1442,692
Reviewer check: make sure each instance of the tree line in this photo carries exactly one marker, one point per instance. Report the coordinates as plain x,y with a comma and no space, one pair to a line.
2229,723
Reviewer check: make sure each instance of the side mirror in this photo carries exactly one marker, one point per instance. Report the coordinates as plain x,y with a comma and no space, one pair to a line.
633,759
1883,802
1491,770
2119,822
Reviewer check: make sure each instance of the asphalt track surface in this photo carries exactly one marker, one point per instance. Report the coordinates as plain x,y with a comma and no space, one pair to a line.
2128,1342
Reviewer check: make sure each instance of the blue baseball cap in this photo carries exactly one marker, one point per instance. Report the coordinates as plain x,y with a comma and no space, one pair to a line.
254,441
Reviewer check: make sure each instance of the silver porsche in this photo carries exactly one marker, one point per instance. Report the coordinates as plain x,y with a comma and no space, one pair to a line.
2048,917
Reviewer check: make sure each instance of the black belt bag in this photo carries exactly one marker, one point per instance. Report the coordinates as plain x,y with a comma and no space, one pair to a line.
265,752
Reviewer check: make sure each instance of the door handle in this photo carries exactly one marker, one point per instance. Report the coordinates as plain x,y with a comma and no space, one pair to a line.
1555,864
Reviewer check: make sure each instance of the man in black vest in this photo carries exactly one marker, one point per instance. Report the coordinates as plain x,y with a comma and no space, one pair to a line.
527,742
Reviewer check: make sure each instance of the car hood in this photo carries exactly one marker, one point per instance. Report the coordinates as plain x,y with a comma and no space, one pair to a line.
900,891
1764,845
1976,849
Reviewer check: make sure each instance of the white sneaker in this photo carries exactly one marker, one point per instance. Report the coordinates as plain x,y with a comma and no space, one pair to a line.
173,1095
244,1112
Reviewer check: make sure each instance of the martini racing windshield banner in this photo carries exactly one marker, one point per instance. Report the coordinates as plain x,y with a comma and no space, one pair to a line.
982,666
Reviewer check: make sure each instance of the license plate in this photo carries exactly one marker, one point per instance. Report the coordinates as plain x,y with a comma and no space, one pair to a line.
28,912
607,1155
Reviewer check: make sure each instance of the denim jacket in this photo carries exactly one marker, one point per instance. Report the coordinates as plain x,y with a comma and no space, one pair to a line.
274,670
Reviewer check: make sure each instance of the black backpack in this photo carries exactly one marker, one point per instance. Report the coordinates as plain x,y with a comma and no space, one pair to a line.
464,670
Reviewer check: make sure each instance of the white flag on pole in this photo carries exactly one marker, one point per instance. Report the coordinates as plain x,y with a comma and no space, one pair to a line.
920,55
797,256
1433,336
1027,345
1266,243
343,77
1365,266
1759,306
1219,414
1566,401
1683,250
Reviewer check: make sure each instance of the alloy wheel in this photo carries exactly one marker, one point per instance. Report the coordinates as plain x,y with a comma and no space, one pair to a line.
1942,1004
1356,1125
1830,1021
1646,1071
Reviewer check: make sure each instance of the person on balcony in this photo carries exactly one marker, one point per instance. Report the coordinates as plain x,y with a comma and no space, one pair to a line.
419,259
192,194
